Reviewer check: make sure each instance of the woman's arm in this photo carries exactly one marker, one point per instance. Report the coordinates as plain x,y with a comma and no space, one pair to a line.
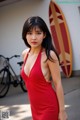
56,77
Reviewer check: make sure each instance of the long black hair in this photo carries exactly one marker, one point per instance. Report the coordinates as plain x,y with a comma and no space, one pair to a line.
36,21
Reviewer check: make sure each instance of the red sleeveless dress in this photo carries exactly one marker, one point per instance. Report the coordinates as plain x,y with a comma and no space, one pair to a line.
43,99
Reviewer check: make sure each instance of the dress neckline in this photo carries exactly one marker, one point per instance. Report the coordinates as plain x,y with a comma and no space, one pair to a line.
33,64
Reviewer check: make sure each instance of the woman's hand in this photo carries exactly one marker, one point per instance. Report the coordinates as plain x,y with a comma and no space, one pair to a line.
63,115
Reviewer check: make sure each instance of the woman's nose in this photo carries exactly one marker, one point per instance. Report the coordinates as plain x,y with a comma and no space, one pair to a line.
33,36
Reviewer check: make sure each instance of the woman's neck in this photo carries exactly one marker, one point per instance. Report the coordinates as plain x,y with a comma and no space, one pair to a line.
35,50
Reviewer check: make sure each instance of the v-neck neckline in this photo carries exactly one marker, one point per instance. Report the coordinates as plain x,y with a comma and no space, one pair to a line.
33,64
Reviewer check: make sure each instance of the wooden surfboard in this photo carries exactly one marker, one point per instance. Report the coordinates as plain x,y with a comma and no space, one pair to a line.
61,37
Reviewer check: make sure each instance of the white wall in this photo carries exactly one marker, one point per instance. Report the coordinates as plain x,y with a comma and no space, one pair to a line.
13,16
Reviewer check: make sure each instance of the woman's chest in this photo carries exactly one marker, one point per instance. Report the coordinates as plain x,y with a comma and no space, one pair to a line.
37,66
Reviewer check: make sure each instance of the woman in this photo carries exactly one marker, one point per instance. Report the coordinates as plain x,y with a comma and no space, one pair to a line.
41,63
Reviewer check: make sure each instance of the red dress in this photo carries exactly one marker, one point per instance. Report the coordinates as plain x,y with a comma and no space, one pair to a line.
43,99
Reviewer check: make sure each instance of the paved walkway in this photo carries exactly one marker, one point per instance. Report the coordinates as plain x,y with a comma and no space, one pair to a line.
18,104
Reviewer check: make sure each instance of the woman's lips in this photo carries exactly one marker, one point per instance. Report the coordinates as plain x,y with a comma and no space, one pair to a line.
34,42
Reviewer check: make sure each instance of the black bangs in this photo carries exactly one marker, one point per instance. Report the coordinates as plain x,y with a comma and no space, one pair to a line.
34,27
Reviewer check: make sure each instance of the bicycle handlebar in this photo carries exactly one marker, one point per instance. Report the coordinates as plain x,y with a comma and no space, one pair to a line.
8,58
2,56
14,56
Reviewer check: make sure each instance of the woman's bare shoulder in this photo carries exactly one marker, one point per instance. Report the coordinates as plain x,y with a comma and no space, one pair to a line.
53,55
24,53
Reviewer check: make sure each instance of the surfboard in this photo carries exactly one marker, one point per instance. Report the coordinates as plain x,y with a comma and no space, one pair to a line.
61,37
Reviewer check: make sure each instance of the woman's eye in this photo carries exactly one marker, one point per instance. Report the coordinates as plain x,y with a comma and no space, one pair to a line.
29,33
39,33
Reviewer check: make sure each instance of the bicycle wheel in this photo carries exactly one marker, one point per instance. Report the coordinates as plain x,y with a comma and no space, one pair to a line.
4,82
22,84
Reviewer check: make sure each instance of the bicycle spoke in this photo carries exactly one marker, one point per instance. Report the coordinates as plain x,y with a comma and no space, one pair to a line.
4,83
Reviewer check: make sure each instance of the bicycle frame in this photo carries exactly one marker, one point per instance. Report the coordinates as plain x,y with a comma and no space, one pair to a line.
11,77
10,69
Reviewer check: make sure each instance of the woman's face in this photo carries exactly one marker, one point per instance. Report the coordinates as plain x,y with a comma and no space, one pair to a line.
35,37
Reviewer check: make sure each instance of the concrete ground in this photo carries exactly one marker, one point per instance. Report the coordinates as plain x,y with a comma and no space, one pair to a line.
16,101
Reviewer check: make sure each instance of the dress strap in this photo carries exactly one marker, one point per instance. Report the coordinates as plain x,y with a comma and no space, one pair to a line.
26,56
39,55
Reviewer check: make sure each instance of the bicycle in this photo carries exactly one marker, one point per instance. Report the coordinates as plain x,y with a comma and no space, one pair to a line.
8,76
